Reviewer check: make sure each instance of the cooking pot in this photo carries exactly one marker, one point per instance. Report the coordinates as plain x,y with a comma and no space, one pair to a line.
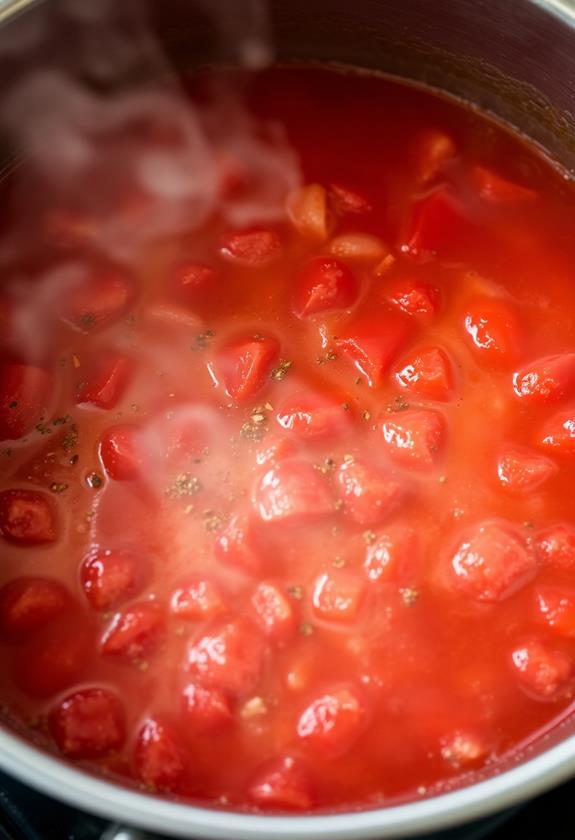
512,58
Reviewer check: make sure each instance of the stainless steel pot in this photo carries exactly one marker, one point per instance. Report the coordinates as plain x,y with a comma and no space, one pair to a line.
514,58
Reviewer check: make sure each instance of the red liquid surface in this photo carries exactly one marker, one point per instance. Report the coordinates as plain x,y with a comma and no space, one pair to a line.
291,526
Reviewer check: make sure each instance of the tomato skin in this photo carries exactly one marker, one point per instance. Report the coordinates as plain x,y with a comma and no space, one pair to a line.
273,612
292,490
25,391
97,302
253,248
556,548
436,222
88,724
555,609
133,632
495,188
558,433
493,331
491,563
325,284
333,722
118,452
313,416
345,201
414,437
246,366
414,297
106,383
27,604
229,657
544,672
159,760
368,494
237,546
427,373
546,380
110,576
197,598
206,710
27,517
372,343
337,595
282,784
521,472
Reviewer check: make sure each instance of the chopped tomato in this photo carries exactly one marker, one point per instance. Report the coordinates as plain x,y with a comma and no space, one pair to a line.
252,248
229,656
492,563
109,576
337,595
433,149
206,710
427,373
558,433
197,598
493,331
359,247
55,661
282,784
98,301
546,380
25,391
333,722
414,297
88,723
392,556
274,449
27,604
369,494
555,608
309,212
292,490
133,632
312,416
119,452
521,471
543,671
105,384
27,517
556,548
348,202
159,758
325,284
494,187
437,222
237,545
414,437
246,365
273,612
372,344
188,279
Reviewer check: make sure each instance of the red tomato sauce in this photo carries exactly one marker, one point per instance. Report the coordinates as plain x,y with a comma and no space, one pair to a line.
286,513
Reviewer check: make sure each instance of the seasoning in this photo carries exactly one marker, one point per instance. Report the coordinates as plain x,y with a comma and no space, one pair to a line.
338,562
330,356
74,460
254,707
212,520
184,485
88,320
369,537
94,480
328,466
70,439
58,487
409,596
359,381
61,421
306,629
295,592
280,371
43,428
203,340
366,415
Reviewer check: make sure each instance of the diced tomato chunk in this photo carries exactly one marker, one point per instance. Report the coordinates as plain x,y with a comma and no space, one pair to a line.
246,365
369,494
392,556
252,248
494,187
55,661
273,612
25,391
292,490
88,724
437,222
543,671
229,657
282,785
348,202
119,452
27,517
106,383
110,576
27,604
372,344
237,545
337,595
312,416
274,449
427,373
133,632
309,212
521,471
558,433
555,608
325,284
414,437
414,297
206,710
492,563
159,758
189,278
556,548
546,380
493,331
197,598
332,723
97,301
433,149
